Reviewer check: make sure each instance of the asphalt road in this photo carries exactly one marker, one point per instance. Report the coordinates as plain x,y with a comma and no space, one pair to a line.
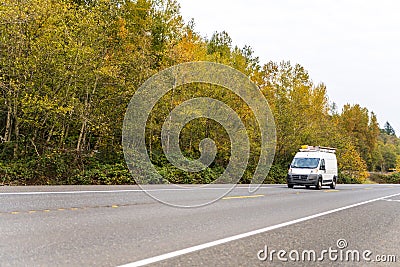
117,225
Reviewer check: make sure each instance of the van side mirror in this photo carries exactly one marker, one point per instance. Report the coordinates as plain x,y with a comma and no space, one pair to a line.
322,168
289,165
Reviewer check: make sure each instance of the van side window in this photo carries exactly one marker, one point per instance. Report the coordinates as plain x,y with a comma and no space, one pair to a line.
322,164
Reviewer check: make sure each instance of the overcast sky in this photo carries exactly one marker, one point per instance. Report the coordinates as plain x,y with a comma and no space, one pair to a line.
353,46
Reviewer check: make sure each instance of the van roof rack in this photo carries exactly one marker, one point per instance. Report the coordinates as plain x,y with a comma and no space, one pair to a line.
307,148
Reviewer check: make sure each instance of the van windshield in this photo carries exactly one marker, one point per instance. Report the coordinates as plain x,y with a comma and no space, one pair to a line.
305,163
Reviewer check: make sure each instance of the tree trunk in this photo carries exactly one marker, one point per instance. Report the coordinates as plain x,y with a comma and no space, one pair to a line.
16,131
7,133
86,112
80,144
170,117
64,137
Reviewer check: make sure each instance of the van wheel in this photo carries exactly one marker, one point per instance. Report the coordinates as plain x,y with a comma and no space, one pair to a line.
333,184
290,185
319,184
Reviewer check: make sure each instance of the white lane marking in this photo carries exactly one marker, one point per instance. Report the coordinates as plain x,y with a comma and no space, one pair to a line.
126,190
141,190
244,235
392,200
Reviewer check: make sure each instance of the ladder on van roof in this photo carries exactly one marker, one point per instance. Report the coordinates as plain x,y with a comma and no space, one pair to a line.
307,148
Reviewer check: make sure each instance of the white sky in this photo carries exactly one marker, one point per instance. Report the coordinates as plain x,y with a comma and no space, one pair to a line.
353,46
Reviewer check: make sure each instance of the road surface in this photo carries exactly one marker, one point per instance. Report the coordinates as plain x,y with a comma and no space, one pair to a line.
118,225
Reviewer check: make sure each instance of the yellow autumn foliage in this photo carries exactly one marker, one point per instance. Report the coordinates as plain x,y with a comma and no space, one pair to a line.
352,165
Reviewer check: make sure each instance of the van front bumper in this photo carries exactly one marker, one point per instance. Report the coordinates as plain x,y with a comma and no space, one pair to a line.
294,179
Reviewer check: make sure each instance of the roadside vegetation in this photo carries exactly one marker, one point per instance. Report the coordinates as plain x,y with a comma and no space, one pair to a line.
68,69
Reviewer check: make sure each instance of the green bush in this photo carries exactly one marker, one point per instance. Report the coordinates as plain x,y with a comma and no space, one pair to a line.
63,168
105,174
348,178
393,178
277,175
382,178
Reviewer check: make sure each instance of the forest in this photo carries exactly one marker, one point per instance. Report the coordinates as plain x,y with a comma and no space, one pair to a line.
68,69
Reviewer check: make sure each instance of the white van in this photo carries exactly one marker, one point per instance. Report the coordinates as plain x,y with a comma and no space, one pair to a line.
313,166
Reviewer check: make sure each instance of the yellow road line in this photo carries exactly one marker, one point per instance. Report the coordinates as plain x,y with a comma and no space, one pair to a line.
331,190
71,208
242,197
